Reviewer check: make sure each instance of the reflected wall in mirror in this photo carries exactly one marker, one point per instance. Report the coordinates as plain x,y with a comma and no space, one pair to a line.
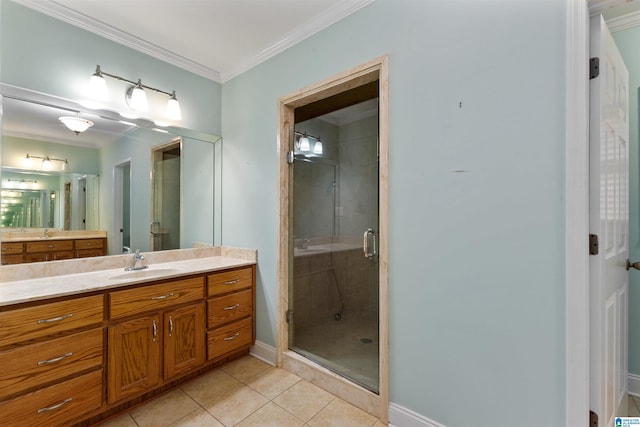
29,199
89,193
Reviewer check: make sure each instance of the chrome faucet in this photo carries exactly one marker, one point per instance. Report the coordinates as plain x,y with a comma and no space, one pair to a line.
305,243
46,233
137,262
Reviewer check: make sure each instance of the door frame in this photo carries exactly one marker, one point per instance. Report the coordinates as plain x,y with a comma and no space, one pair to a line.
376,69
577,278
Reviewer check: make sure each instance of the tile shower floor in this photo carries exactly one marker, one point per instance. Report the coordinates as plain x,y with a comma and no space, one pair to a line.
245,393
348,347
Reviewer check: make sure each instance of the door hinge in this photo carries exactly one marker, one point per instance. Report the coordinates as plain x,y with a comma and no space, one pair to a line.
593,244
290,157
289,316
593,419
594,67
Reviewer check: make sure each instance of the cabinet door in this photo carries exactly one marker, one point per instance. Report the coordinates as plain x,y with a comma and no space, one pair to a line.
134,357
184,340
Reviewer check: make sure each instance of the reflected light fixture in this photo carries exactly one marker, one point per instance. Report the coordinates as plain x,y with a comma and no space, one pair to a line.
47,162
317,147
303,143
76,124
135,96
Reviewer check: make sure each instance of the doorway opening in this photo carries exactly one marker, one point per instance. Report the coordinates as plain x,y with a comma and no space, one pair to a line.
333,251
166,203
122,208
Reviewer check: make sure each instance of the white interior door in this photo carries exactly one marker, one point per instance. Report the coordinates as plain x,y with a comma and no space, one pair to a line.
609,220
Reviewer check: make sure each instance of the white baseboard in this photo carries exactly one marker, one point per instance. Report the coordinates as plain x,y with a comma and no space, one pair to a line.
403,417
264,352
633,384
398,415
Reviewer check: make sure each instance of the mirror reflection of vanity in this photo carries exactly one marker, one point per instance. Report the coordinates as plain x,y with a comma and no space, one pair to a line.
88,203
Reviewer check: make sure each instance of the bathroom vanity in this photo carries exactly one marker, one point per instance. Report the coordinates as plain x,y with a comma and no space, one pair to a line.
76,348
30,246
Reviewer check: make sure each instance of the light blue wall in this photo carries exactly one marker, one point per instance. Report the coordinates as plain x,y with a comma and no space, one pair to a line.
46,55
81,159
43,54
476,258
628,42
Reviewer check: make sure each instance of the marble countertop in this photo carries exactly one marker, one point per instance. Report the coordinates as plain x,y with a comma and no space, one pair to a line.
23,236
35,289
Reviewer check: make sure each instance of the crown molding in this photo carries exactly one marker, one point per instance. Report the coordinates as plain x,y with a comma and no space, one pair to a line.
319,23
95,26
624,22
324,20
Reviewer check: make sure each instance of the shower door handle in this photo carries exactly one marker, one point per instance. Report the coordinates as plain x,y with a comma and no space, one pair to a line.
369,243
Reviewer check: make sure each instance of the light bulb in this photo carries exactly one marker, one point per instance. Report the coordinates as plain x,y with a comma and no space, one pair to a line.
98,86
137,98
317,147
173,108
65,165
27,161
46,163
304,143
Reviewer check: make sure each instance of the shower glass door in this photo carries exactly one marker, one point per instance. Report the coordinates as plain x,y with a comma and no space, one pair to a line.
333,294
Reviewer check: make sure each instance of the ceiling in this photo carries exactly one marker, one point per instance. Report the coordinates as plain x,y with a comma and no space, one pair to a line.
218,39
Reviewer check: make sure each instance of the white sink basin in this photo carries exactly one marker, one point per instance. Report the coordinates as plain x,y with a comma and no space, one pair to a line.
141,274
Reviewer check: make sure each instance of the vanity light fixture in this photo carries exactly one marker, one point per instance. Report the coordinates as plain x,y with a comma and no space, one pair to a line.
22,183
76,124
303,143
317,147
135,96
47,162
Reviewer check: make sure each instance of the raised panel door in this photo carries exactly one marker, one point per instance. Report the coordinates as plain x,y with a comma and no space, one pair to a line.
135,357
184,340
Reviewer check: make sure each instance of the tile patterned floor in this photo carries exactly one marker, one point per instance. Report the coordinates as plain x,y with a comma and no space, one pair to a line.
246,393
633,405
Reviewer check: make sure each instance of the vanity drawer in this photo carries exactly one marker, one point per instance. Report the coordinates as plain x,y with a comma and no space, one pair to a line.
229,338
48,256
32,365
228,308
153,297
89,244
229,281
23,324
10,248
56,405
49,246
12,259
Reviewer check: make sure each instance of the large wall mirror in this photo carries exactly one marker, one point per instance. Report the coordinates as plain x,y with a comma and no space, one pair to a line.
102,179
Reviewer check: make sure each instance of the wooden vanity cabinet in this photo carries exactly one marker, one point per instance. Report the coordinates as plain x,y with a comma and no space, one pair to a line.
12,253
48,250
52,249
52,361
148,350
85,248
230,311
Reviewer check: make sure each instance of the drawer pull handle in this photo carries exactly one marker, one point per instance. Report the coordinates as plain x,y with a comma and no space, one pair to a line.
232,307
162,297
54,360
55,319
170,326
231,282
155,331
233,337
54,407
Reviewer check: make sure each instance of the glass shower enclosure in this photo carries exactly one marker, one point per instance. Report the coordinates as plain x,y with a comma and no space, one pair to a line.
333,293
